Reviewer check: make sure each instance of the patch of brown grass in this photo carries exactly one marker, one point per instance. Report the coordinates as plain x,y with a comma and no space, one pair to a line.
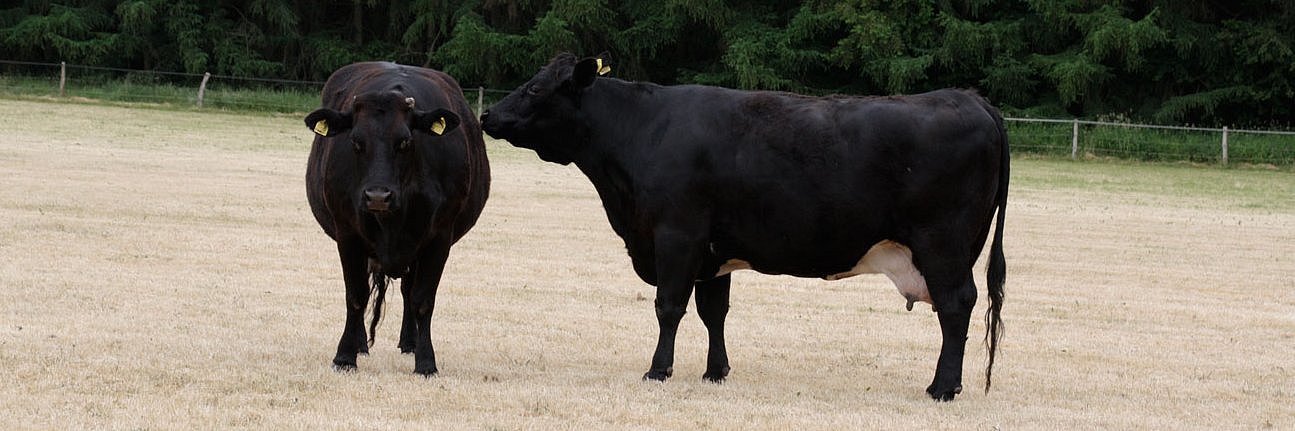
162,270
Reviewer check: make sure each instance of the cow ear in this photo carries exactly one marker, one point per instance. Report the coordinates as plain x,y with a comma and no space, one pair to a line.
438,122
604,62
327,122
586,70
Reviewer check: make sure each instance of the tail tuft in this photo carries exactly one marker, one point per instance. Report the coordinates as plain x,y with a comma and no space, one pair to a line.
379,295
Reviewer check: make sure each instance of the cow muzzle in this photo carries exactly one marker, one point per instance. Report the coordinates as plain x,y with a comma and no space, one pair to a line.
494,124
378,199
487,125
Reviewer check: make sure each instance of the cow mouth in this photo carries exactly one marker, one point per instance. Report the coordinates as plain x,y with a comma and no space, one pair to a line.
494,128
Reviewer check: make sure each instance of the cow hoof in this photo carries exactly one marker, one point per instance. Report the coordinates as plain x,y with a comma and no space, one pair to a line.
426,371
939,394
343,362
716,376
659,375
408,350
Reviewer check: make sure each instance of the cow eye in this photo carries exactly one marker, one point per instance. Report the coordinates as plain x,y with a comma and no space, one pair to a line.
533,90
404,144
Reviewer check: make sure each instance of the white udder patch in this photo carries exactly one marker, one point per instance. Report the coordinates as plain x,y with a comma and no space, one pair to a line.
896,261
732,265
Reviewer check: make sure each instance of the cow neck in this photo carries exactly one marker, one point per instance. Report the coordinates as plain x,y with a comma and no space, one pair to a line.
612,151
613,115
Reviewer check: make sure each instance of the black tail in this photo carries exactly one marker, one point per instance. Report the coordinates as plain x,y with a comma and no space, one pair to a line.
379,294
997,271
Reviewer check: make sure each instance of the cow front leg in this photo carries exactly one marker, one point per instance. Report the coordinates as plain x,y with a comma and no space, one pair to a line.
712,307
676,267
954,311
427,279
355,276
671,304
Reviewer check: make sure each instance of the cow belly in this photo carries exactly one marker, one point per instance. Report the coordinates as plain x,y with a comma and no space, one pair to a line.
896,261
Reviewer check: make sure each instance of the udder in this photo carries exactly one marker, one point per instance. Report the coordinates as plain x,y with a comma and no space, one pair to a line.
896,261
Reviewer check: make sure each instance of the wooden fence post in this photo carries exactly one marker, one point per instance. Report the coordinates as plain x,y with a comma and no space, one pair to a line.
62,78
202,88
481,93
1225,145
1074,139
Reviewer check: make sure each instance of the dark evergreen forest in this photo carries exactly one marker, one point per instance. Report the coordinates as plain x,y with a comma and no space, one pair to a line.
1200,62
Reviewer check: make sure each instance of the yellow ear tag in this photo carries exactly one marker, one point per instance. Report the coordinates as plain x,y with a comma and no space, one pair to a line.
321,127
439,126
602,70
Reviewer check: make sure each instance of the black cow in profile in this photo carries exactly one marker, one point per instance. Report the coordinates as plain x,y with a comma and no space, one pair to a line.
397,174
701,181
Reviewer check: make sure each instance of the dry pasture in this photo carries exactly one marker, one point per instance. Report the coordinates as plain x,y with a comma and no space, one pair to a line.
161,269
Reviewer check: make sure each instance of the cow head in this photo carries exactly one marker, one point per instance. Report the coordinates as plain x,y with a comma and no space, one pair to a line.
385,130
544,113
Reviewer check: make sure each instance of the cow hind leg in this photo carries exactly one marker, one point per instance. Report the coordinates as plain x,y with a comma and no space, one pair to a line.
424,354
945,263
408,320
712,307
953,307
355,275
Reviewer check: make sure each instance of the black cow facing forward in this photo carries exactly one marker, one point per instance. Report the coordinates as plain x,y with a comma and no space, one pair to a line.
397,174
701,181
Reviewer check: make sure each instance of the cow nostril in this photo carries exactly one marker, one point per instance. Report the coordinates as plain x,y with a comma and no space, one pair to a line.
377,199
377,195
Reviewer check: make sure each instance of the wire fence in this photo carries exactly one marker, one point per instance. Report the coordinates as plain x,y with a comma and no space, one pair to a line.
199,90
1064,138
1083,138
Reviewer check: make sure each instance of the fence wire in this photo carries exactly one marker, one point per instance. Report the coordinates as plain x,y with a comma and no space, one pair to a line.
1054,137
174,88
1083,138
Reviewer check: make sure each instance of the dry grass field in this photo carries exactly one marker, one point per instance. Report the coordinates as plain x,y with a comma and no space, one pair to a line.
161,270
